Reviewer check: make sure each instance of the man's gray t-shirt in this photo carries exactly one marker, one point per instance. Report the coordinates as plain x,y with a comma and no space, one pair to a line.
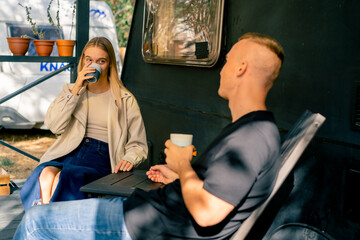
240,167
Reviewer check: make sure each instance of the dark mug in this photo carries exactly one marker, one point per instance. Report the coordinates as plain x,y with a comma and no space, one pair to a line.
95,74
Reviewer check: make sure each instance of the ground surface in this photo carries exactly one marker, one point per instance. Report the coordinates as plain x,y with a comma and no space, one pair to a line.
34,142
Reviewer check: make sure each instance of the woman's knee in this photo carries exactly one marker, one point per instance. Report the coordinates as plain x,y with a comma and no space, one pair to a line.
49,173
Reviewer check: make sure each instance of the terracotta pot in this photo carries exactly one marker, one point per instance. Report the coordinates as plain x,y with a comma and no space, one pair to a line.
44,47
18,46
65,47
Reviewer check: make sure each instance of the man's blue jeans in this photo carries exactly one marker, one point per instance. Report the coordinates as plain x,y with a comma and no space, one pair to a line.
83,219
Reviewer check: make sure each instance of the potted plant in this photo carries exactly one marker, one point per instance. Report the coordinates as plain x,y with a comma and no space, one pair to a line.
42,47
19,45
65,47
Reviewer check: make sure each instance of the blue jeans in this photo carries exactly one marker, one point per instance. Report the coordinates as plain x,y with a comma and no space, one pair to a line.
88,219
88,162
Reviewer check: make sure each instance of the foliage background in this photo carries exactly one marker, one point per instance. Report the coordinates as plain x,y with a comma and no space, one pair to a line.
122,11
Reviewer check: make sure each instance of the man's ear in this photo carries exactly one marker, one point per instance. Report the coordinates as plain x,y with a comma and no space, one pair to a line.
241,69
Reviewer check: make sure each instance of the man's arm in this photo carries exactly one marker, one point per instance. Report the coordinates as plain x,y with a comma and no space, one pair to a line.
205,208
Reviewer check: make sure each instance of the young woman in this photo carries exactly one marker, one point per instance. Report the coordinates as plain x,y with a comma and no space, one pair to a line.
101,131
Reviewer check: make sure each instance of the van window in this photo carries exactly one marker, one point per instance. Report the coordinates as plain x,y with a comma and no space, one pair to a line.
16,30
183,32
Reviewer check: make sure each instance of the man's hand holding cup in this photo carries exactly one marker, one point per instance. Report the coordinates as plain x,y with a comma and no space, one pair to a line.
179,151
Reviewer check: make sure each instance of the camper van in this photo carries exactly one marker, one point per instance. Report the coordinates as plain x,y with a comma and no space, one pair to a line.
27,110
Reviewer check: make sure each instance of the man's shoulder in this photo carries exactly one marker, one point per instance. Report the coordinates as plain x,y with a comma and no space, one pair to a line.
252,133
252,124
253,138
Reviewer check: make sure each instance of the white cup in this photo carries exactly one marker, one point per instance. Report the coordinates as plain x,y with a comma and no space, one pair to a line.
181,140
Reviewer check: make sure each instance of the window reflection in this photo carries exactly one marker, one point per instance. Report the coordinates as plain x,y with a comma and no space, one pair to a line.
186,32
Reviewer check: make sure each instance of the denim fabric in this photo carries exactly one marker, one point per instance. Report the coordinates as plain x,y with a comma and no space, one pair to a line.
90,153
83,219
88,162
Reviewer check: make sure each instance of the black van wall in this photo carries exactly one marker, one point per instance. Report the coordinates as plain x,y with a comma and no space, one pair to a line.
322,66
322,63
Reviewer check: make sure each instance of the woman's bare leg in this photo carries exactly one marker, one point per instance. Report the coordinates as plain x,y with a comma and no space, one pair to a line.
46,180
55,183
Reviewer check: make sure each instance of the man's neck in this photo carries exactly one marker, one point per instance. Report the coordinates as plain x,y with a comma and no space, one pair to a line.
240,109
248,97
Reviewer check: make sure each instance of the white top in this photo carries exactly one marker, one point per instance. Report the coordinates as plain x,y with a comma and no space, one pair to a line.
98,116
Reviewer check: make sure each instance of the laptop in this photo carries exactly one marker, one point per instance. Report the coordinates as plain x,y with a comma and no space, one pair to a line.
121,184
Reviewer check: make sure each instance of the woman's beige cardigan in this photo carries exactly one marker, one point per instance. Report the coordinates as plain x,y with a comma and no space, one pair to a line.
67,115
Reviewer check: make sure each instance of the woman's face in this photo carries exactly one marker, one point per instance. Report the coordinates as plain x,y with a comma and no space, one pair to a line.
99,56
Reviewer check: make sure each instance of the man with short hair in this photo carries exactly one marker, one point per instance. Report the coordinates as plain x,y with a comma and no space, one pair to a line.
206,199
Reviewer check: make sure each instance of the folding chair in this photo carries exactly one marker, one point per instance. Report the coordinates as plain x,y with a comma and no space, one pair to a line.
293,146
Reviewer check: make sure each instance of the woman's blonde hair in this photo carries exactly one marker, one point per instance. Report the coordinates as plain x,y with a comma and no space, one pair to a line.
115,84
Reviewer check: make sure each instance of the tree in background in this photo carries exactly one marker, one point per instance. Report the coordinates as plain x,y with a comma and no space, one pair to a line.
122,11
